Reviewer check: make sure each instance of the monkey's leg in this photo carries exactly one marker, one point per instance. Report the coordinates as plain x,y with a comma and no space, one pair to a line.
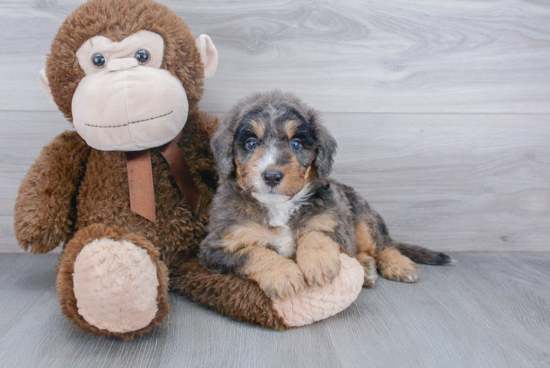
112,283
243,300
231,295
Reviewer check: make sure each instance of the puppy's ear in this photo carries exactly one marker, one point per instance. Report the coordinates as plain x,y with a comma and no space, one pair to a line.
222,146
326,149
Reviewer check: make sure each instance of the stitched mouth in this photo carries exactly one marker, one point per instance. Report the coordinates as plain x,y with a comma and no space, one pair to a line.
132,122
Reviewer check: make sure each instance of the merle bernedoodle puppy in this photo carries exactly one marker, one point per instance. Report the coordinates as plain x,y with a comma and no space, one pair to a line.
278,219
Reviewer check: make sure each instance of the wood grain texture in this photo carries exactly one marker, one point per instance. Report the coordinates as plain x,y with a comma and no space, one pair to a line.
484,310
449,182
346,56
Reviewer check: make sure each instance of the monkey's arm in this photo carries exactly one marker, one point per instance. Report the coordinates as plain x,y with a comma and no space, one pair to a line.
45,204
230,295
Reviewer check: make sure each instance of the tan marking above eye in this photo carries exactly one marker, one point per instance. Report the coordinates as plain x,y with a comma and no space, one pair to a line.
290,127
258,126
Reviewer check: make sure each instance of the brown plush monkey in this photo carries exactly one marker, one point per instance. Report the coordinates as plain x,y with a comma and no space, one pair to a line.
128,192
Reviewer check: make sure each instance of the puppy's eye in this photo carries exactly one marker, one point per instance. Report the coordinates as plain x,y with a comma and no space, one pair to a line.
295,144
98,60
142,56
251,144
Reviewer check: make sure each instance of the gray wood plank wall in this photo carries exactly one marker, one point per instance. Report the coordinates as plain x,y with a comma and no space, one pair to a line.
441,109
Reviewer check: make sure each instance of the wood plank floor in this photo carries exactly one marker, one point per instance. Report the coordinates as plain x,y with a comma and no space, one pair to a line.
484,310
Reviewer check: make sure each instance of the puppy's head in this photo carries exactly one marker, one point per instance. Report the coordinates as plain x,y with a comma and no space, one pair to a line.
273,145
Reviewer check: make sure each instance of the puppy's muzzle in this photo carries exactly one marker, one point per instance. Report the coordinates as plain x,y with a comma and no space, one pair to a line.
272,178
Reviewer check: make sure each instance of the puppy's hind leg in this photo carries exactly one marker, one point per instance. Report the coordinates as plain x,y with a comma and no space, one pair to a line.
366,246
369,266
396,261
395,266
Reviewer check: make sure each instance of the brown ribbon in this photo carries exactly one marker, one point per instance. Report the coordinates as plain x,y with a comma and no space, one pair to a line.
140,179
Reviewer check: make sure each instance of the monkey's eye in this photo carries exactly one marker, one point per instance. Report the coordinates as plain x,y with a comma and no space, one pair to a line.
142,56
295,144
98,60
251,144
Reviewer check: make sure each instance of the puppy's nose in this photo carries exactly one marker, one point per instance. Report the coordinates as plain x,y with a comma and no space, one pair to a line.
273,177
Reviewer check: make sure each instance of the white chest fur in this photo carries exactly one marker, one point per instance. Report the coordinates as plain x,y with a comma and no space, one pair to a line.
279,215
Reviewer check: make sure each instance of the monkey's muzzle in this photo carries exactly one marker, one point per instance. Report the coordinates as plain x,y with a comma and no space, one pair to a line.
128,107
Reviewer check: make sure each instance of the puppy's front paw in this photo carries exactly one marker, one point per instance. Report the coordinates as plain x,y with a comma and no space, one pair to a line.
283,282
319,267
317,303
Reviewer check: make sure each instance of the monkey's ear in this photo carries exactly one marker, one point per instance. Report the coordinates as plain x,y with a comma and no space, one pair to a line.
45,85
209,55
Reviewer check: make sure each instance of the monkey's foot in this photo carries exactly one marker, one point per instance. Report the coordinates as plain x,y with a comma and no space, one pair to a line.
118,284
317,303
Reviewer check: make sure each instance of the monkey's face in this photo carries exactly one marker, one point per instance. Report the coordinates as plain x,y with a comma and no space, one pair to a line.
127,73
126,102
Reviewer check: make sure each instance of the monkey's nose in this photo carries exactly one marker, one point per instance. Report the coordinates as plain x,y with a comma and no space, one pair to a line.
121,64
273,177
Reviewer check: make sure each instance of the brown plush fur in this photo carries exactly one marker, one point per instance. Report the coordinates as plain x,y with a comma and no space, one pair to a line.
231,295
44,216
72,188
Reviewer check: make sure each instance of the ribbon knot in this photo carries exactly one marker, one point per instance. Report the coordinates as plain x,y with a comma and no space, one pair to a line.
140,178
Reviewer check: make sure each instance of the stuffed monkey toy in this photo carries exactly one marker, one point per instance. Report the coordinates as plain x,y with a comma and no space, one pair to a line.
128,192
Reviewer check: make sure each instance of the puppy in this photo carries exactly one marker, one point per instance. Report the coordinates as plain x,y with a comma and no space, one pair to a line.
277,218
